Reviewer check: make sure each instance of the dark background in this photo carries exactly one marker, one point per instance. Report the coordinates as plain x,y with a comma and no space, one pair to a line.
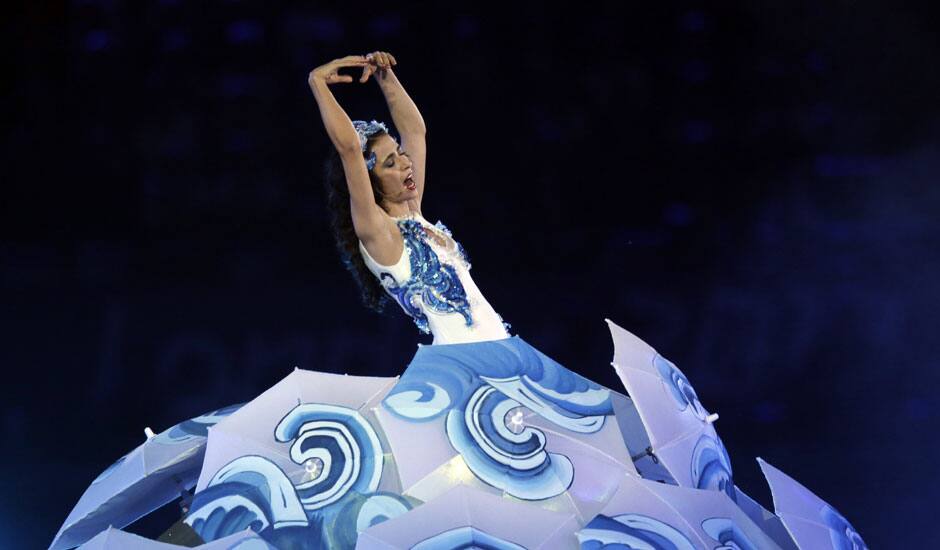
752,188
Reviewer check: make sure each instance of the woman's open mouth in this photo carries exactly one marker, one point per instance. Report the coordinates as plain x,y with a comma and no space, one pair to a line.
410,183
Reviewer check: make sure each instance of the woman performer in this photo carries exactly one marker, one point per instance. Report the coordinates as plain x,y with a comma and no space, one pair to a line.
374,190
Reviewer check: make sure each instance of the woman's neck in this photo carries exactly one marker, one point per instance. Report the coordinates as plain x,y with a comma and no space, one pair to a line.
403,209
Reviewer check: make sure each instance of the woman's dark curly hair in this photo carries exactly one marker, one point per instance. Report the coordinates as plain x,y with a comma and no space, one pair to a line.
347,243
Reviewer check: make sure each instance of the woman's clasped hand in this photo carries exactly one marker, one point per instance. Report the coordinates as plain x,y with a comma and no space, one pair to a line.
371,63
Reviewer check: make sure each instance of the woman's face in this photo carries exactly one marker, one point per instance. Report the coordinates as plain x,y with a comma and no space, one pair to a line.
393,169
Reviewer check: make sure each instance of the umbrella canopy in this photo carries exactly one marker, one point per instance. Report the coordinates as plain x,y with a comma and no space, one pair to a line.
649,514
766,520
811,521
504,418
319,457
154,473
464,517
483,444
115,539
302,464
680,430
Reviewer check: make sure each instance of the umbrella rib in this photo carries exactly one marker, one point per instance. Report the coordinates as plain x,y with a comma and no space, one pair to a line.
384,389
561,524
681,516
583,444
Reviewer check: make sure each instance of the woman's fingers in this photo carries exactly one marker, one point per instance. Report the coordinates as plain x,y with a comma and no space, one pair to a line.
351,61
366,72
381,59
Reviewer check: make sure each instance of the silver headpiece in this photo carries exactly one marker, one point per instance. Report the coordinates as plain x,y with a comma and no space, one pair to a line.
365,131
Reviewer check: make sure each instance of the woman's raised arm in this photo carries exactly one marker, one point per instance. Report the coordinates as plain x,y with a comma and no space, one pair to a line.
366,215
338,125
405,114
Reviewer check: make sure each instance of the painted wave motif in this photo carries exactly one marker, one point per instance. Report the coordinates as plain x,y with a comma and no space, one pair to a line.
631,532
843,535
728,534
195,427
514,462
711,466
186,431
679,387
476,392
336,499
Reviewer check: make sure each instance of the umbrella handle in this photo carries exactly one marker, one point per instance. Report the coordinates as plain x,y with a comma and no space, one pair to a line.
186,498
647,451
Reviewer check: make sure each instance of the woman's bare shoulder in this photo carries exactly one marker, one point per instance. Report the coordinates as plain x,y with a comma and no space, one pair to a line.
385,246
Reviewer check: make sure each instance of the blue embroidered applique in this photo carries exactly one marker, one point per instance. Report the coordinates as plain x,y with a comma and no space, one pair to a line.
466,259
434,282
463,253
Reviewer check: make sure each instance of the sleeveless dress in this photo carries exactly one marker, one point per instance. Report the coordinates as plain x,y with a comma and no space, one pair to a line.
432,284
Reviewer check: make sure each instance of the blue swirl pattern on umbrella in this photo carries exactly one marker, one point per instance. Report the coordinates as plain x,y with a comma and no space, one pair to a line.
225,509
679,387
461,381
195,427
711,466
843,535
728,534
515,463
631,531
444,376
344,442
183,432
327,510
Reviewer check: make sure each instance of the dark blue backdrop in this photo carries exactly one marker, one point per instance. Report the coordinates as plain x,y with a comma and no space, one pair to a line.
751,188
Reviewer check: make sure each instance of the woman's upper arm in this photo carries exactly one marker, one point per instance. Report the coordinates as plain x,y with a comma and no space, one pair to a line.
367,216
415,144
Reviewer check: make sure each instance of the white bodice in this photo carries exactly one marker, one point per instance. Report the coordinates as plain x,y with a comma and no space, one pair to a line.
432,284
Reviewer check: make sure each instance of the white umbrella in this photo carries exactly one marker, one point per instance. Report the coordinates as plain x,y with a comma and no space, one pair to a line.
766,520
503,417
680,430
302,464
649,514
812,522
154,473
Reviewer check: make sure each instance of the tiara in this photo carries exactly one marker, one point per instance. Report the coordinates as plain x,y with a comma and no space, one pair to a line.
365,131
